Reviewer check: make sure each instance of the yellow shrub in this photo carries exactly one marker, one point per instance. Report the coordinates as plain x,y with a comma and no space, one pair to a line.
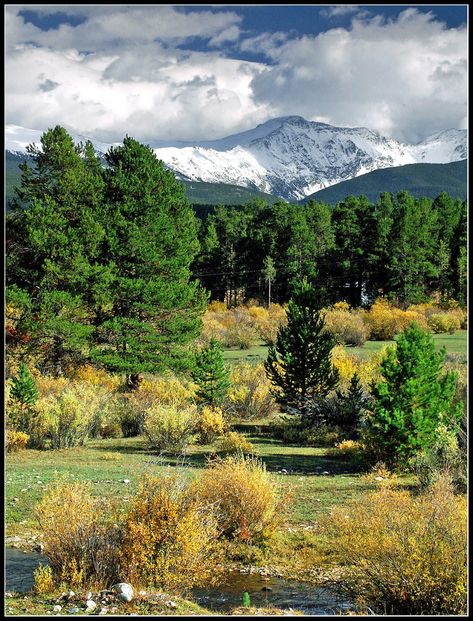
242,495
48,385
405,554
167,390
211,424
43,580
348,364
346,327
234,442
348,448
385,321
169,540
68,417
267,321
16,440
80,536
249,394
444,322
97,377
380,474
169,428
217,307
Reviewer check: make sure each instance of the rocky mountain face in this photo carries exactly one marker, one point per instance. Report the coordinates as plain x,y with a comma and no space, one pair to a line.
288,156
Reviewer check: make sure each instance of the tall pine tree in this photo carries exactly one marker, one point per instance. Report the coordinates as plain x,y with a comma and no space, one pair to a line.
154,307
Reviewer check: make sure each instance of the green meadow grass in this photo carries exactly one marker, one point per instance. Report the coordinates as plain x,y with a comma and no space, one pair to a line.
453,343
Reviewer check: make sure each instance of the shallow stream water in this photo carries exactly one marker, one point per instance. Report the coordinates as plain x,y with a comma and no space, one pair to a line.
263,591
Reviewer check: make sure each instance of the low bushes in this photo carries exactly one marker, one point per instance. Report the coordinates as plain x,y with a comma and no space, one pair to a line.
68,417
16,440
169,540
234,442
211,424
404,554
347,327
249,395
163,539
385,321
80,536
441,323
170,428
243,496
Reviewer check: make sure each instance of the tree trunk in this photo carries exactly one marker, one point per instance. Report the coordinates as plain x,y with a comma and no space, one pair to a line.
133,381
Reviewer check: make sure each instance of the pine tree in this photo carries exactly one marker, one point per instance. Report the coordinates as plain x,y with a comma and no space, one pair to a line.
210,374
414,397
54,243
299,364
154,308
24,388
351,406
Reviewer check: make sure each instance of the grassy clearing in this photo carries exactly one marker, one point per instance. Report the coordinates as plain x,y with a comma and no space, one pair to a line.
107,464
453,343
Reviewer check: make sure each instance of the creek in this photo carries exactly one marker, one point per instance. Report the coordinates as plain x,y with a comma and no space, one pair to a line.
263,591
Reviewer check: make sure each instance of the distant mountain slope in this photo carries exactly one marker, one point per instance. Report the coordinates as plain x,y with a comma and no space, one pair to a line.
287,156
418,179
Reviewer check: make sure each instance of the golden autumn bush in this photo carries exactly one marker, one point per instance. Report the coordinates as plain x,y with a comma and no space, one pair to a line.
249,395
16,440
348,364
234,442
384,320
347,327
243,496
404,554
267,321
441,323
68,416
169,539
211,424
170,428
43,580
80,536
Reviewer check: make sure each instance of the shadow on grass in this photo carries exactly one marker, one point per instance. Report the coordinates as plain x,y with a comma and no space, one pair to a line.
294,463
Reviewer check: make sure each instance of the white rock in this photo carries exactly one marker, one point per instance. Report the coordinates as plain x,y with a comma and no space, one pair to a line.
124,591
126,481
57,608
90,604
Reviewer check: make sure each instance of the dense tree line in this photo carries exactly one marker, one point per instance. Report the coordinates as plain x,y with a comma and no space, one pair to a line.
109,263
400,246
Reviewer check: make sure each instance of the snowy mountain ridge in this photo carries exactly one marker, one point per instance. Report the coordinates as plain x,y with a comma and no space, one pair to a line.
288,156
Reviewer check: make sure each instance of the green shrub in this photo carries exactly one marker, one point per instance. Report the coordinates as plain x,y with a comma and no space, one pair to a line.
210,374
169,428
444,459
297,432
413,398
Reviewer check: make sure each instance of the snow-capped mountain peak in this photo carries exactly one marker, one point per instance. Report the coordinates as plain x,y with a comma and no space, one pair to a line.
286,156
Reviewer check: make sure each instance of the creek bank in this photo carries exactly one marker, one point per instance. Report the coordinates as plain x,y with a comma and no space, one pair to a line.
267,589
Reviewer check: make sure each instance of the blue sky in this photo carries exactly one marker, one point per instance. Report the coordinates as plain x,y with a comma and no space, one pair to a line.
187,72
